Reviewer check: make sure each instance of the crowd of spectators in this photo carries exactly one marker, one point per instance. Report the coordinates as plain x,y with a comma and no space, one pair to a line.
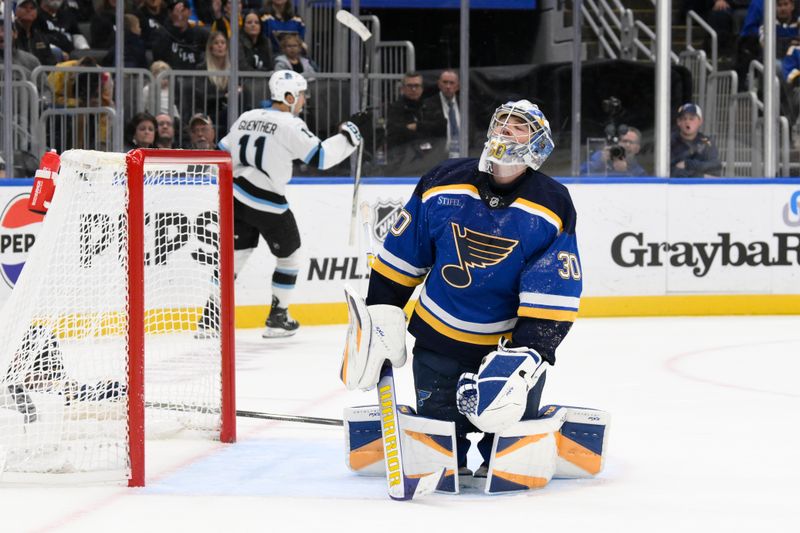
191,35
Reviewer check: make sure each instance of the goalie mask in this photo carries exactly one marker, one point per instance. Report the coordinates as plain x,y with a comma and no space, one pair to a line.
284,82
518,137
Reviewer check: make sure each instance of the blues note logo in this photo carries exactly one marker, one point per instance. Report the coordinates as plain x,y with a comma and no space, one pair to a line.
474,250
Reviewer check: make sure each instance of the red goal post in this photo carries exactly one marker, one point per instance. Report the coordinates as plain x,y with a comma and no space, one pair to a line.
136,161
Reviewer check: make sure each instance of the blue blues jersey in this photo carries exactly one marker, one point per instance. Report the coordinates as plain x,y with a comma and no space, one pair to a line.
493,262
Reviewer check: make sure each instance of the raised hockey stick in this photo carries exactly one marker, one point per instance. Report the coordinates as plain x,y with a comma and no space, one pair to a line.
351,22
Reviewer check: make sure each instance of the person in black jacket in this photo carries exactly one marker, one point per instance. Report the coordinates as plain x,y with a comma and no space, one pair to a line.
255,52
178,43
416,130
28,37
152,16
692,154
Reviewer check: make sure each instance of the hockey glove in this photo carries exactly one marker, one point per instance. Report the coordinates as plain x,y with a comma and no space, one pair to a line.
361,119
351,131
495,398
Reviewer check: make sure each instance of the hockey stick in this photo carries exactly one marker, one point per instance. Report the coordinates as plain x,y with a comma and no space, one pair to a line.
351,22
248,414
400,486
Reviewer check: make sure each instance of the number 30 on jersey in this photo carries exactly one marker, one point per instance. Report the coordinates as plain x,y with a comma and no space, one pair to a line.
570,266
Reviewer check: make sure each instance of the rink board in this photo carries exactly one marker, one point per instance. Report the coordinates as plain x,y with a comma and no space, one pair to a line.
648,246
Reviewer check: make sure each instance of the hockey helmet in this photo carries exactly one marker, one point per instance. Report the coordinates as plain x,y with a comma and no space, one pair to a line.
518,135
284,82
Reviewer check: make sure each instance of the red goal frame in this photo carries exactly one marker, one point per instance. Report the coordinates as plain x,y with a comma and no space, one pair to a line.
135,162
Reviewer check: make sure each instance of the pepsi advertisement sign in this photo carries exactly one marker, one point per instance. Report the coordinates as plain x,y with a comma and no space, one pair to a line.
18,230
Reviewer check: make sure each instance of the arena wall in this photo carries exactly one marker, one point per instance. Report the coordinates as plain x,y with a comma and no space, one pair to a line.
649,246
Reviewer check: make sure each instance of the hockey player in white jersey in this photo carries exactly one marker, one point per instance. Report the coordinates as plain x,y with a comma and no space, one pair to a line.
263,144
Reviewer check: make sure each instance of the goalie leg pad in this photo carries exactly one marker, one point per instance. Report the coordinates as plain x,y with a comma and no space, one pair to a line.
524,456
581,441
428,445
374,334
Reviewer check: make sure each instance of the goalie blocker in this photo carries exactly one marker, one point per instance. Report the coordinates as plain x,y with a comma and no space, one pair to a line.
563,443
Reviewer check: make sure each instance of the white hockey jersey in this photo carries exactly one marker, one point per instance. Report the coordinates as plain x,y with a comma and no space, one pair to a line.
263,143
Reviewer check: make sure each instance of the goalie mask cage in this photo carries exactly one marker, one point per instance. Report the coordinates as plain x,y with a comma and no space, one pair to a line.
121,322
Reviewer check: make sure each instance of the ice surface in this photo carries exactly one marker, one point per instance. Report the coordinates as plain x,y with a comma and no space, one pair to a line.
704,437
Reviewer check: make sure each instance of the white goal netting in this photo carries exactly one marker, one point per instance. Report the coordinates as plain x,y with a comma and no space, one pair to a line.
64,363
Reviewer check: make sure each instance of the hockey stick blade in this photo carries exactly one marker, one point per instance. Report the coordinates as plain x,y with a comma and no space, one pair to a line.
351,21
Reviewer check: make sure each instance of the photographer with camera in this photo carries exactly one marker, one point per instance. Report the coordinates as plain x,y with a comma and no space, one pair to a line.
622,144
692,154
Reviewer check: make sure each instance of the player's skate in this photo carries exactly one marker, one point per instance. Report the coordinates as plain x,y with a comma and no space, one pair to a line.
279,323
207,326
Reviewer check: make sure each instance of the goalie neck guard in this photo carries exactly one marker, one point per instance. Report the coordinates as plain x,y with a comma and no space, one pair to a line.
518,136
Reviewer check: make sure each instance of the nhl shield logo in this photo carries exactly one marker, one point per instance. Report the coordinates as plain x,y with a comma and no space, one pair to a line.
385,214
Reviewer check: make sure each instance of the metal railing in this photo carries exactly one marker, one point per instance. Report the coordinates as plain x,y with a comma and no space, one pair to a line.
745,142
691,18
720,87
324,35
88,128
697,64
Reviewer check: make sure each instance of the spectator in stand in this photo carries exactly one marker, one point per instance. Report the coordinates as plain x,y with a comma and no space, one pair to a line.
212,96
202,135
178,43
162,99
28,36
619,159
104,26
692,154
279,18
720,16
446,99
85,89
292,57
152,15
21,58
787,27
255,52
416,130
141,131
60,26
165,135
82,9
221,17
135,52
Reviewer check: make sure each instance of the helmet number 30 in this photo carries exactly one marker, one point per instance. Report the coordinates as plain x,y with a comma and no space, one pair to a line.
571,266
496,149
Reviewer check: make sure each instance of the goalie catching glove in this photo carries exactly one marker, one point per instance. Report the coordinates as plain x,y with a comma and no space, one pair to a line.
495,398
375,333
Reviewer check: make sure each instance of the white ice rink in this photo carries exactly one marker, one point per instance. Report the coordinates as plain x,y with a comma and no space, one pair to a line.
705,436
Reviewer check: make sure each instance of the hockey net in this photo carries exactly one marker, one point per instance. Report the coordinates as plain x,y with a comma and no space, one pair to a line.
91,356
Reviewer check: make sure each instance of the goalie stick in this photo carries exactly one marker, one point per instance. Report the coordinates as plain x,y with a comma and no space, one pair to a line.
350,21
399,485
